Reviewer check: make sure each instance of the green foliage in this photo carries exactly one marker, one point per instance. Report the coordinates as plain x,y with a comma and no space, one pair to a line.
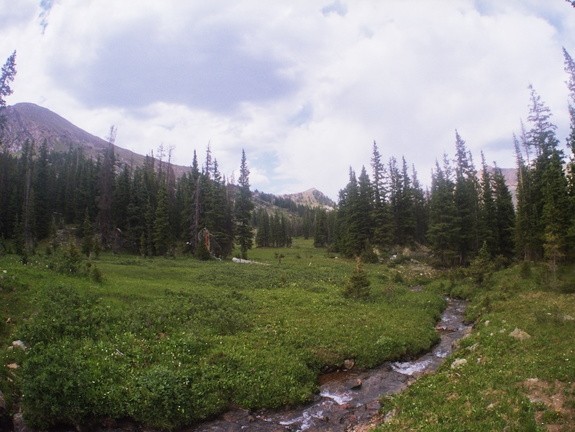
502,374
357,286
68,260
170,342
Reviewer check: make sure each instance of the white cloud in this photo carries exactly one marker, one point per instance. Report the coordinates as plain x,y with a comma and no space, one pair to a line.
304,87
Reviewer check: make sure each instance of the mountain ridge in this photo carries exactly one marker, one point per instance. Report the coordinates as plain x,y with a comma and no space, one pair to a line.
29,121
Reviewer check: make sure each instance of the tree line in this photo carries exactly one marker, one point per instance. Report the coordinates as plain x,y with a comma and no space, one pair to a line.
148,210
112,205
467,211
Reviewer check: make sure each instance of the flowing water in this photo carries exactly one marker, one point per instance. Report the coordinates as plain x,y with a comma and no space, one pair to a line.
348,398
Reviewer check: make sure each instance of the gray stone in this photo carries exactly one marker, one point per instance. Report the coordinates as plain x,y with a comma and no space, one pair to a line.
19,344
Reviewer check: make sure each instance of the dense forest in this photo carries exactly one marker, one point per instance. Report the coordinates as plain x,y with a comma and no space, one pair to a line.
467,212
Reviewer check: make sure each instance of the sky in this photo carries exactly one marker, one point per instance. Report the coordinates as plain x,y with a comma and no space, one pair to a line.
305,87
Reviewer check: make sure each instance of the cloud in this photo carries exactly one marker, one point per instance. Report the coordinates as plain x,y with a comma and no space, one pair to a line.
305,87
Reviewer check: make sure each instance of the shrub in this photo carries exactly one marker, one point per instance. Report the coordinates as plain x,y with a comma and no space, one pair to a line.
358,285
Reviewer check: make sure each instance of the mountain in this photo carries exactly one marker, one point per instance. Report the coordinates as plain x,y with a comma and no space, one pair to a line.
312,198
28,121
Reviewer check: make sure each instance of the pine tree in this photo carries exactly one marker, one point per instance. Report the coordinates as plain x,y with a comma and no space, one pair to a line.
346,224
7,76
444,223
382,223
161,224
263,234
504,216
466,198
28,211
542,195
243,209
570,69
43,193
105,197
487,213
358,285
420,209
87,235
321,229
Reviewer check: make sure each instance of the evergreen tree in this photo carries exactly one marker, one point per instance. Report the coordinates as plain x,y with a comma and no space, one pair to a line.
420,210
444,224
504,216
544,212
382,223
358,285
87,235
570,69
7,76
401,203
243,209
347,241
320,238
43,193
466,199
105,197
487,215
28,197
264,230
161,225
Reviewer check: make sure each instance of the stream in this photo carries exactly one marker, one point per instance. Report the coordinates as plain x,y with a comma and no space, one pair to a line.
348,398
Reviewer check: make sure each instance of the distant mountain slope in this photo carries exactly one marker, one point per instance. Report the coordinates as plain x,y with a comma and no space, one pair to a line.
311,197
28,121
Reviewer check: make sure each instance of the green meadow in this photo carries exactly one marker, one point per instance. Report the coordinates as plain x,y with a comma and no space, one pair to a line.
515,372
171,341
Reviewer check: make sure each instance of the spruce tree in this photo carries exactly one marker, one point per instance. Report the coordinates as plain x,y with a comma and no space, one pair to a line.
504,216
382,222
105,197
161,224
320,238
243,209
347,224
263,234
466,199
444,223
487,211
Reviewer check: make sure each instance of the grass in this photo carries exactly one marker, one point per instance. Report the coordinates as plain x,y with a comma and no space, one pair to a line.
172,341
508,382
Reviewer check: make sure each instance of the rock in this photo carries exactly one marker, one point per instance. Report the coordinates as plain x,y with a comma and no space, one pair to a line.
357,384
19,344
458,363
19,425
473,347
519,334
348,363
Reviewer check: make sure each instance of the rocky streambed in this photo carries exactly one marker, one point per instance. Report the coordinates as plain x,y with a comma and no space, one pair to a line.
348,398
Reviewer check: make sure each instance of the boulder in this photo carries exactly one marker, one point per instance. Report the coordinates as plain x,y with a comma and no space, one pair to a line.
349,363
19,344
458,363
519,334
